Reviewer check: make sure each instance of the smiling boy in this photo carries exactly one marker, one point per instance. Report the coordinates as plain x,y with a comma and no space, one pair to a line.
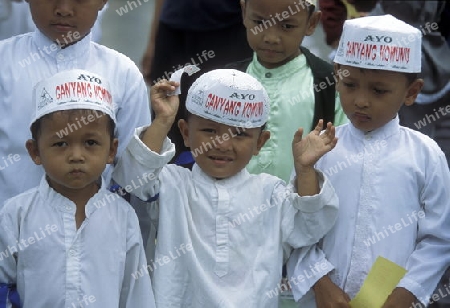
235,223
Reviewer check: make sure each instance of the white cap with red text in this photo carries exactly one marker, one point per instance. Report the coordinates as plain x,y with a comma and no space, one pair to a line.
380,42
73,89
229,97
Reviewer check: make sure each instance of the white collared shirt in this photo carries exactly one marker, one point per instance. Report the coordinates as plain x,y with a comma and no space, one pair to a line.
31,57
393,186
220,241
54,264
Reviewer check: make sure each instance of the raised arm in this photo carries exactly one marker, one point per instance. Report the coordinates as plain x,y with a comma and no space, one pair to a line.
307,151
165,108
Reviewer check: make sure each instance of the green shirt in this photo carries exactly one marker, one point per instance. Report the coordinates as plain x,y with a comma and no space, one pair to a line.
291,92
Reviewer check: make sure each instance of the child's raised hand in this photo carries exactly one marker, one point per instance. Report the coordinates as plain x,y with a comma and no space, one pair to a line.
308,150
165,106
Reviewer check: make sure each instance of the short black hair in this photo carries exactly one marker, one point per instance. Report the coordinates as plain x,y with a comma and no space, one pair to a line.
36,126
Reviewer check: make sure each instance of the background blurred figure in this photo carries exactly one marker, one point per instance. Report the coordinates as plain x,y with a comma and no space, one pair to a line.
334,14
207,33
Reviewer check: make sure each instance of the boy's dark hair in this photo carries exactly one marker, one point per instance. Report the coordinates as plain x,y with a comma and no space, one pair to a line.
311,7
36,126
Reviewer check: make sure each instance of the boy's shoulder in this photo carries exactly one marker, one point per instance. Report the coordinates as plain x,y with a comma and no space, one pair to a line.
239,65
422,141
20,202
102,51
319,67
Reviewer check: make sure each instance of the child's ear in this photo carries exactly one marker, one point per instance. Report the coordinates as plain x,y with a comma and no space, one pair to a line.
413,90
33,151
113,151
262,139
184,130
313,22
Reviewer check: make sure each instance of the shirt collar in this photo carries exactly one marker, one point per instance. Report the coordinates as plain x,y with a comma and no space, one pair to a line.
63,204
236,180
384,132
51,49
284,71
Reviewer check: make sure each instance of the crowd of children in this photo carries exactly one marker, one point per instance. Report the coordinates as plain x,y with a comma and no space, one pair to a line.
279,174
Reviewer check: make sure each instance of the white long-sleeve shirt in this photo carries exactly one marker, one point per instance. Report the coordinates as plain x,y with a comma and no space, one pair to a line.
29,58
220,241
393,186
54,264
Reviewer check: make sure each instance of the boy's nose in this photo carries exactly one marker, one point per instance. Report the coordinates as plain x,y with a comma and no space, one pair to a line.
76,154
271,35
223,142
64,8
361,100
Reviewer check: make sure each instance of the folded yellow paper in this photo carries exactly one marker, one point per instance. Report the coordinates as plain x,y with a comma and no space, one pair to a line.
382,279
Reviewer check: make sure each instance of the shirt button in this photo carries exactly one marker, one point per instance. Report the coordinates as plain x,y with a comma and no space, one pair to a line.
60,56
68,207
72,252
268,75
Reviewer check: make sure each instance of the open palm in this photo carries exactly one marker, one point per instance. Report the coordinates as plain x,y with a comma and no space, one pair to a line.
308,150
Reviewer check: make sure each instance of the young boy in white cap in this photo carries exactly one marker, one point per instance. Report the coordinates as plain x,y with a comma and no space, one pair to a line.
70,242
221,230
392,182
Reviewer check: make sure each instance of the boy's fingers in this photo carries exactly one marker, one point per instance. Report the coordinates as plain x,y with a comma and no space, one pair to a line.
298,135
319,126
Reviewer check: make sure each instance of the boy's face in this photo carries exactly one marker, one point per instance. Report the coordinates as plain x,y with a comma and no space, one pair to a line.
74,160
56,18
275,29
372,98
221,151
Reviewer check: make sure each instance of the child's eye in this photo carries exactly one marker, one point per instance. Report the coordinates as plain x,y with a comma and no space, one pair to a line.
240,133
91,142
59,144
348,84
287,26
379,91
257,21
208,130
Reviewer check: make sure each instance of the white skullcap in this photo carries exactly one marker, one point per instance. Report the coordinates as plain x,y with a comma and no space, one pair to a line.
380,42
229,97
72,89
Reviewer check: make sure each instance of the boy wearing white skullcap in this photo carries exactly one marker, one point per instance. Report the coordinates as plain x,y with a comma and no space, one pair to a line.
393,183
70,242
221,230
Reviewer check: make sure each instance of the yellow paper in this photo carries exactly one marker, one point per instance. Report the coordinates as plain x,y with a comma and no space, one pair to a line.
379,284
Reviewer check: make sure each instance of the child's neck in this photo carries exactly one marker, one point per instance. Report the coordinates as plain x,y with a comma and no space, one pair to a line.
80,197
